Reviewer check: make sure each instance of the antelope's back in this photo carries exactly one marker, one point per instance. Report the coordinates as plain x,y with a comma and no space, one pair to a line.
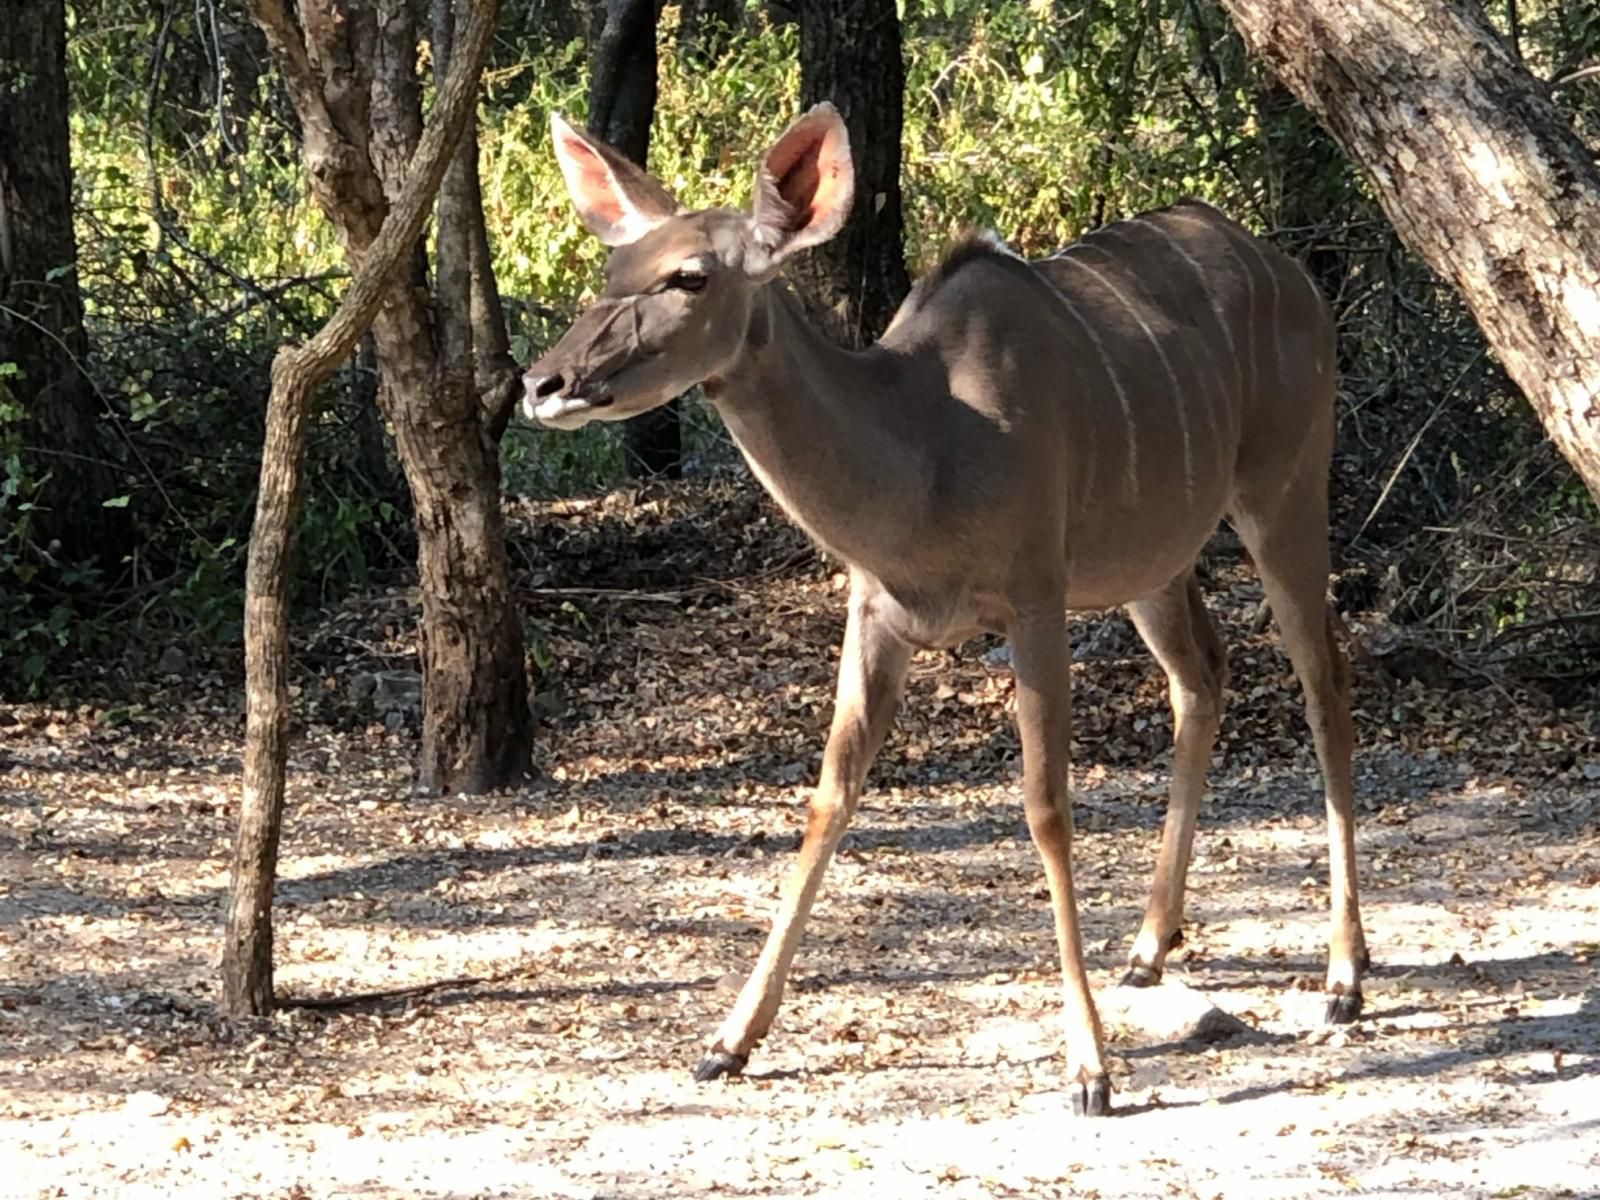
1185,300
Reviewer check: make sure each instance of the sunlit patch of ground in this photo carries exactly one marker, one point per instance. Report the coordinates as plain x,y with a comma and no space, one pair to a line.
572,944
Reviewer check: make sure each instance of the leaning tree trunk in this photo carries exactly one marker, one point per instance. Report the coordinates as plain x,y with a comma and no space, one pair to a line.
1477,171
41,313
297,371
850,54
622,105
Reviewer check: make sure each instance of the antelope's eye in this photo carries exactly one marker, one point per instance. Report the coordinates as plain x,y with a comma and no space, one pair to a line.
687,281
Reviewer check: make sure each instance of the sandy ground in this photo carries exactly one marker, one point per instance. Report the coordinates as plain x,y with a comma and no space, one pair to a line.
574,943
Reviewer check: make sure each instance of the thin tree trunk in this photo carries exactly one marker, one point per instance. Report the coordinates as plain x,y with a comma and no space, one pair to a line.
850,54
495,373
1477,171
296,373
622,105
622,82
41,313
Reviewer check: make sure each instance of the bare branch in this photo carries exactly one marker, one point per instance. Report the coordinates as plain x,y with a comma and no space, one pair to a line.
1581,73
289,51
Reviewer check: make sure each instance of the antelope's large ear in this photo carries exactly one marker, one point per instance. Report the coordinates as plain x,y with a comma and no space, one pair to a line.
804,186
618,201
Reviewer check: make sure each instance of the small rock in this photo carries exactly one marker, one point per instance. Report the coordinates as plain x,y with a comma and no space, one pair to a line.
1000,656
397,689
1170,1012
173,661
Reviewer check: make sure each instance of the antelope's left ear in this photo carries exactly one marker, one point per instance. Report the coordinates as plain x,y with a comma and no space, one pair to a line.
804,187
618,201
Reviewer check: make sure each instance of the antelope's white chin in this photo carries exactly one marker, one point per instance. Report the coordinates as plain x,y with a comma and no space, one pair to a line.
560,412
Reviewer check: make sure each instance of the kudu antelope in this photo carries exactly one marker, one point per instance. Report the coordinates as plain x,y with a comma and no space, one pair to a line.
1027,438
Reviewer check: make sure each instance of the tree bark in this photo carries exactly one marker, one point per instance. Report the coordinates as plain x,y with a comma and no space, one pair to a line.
296,373
622,105
41,312
1476,170
850,54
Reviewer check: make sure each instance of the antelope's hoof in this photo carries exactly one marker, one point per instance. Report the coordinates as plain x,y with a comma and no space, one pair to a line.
1343,1008
718,1063
1141,976
1092,1098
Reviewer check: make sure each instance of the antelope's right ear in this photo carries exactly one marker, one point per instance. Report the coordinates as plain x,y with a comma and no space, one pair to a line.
618,202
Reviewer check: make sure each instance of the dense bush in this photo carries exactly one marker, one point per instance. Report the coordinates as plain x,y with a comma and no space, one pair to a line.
201,252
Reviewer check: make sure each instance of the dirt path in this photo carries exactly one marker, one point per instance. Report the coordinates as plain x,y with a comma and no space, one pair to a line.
593,921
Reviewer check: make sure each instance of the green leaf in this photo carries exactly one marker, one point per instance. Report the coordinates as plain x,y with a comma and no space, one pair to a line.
116,502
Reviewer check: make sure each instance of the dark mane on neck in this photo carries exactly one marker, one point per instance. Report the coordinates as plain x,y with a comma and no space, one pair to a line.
976,245
973,246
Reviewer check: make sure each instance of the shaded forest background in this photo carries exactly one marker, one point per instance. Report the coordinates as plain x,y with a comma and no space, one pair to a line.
201,251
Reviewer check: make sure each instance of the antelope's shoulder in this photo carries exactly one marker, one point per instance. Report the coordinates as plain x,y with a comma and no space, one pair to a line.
980,259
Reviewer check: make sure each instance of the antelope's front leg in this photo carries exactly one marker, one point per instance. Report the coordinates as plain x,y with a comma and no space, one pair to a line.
1042,661
872,668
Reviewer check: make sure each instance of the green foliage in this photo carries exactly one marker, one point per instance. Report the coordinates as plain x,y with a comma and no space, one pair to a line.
31,629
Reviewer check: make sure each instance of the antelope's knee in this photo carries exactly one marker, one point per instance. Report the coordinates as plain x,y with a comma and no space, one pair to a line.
827,814
1049,819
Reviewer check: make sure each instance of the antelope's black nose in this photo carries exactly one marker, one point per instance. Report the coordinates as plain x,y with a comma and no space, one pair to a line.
540,386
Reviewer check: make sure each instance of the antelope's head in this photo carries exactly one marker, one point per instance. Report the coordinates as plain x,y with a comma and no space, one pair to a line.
679,285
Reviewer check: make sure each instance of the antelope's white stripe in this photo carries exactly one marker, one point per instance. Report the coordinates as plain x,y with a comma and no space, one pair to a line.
1166,363
1277,310
1209,374
1132,474
1250,296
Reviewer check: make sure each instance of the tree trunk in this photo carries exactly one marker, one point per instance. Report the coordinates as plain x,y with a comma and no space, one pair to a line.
622,105
1477,171
477,724
41,312
296,373
850,54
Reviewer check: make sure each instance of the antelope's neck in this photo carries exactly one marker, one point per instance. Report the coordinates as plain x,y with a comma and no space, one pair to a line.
822,429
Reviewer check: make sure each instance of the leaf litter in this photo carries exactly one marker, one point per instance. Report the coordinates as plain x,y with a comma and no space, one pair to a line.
541,968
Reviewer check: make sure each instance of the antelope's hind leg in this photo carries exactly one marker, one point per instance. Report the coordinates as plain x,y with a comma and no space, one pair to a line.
872,670
1176,627
1289,544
